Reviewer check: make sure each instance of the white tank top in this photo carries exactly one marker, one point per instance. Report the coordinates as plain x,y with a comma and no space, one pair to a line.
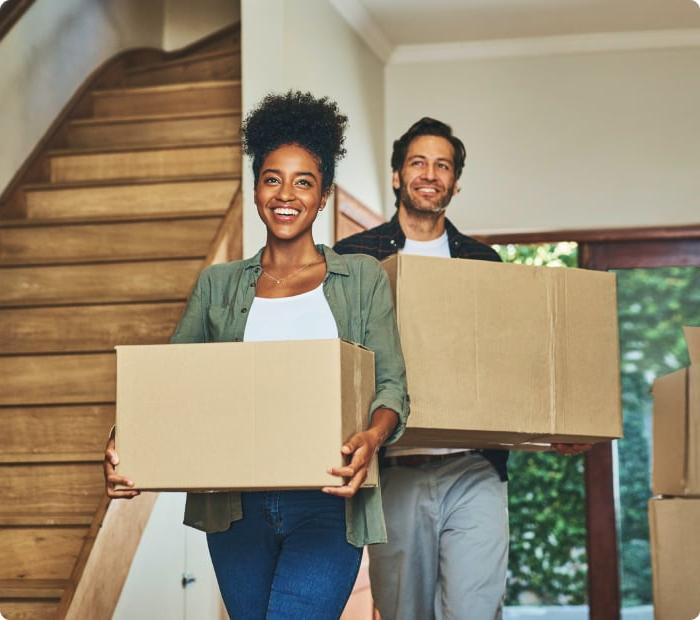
300,317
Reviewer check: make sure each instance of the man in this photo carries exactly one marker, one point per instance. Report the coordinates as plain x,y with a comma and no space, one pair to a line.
446,510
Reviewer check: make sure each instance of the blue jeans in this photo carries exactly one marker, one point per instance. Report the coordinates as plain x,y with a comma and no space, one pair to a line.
287,558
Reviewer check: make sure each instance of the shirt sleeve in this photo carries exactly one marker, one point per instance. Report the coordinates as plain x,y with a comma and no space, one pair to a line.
192,326
382,337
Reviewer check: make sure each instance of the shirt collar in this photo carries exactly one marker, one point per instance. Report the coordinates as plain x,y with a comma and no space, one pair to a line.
335,263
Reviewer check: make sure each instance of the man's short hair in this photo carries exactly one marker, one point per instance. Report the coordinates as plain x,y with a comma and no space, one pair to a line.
427,126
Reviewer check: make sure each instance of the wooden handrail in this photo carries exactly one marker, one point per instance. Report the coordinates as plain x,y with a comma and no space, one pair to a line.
10,12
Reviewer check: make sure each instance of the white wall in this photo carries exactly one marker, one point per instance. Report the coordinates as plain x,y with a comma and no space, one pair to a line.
306,45
186,21
167,551
50,52
570,141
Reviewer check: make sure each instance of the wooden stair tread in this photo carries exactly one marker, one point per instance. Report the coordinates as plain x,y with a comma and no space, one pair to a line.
194,58
165,88
78,151
106,220
146,118
32,588
207,194
72,329
45,519
92,183
51,457
171,161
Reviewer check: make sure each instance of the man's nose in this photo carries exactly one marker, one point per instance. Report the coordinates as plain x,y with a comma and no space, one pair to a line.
429,172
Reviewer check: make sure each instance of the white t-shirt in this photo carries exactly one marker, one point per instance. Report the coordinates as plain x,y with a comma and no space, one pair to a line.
439,247
435,247
300,317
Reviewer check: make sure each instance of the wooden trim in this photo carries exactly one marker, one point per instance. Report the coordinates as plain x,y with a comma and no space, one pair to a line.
10,13
601,535
351,215
690,231
228,242
641,254
105,558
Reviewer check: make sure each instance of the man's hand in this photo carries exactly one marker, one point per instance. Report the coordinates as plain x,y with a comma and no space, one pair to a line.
362,446
112,478
570,449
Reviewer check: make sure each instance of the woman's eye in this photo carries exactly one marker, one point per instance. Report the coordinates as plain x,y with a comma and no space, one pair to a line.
270,181
304,182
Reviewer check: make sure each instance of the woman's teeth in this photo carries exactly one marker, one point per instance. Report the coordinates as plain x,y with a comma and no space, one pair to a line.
285,211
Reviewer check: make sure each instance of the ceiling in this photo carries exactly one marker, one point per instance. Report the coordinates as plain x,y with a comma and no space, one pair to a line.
407,22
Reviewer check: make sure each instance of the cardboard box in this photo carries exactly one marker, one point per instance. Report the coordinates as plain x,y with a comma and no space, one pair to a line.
506,355
254,415
675,557
676,457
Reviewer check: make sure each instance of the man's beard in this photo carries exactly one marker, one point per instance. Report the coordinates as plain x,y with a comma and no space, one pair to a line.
428,212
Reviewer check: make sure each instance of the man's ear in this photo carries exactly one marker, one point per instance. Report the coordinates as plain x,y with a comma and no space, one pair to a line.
456,189
395,180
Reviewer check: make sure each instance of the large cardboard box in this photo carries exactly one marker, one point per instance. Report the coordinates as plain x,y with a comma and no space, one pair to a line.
676,460
506,356
258,415
675,557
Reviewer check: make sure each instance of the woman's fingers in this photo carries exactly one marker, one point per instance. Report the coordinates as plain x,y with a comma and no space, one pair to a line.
352,486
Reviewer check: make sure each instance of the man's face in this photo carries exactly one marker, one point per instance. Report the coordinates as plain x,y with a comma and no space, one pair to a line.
426,181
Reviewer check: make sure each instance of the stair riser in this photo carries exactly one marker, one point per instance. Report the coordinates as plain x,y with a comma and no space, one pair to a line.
146,164
86,328
143,133
98,283
39,553
29,610
194,99
66,488
118,200
222,68
158,239
58,379
51,430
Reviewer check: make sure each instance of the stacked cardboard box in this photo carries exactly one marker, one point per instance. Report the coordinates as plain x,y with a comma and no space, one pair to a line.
508,356
674,514
240,415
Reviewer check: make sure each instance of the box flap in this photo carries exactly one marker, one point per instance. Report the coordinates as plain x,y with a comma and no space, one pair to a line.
692,338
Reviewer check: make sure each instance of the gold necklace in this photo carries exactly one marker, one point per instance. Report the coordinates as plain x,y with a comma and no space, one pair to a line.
279,281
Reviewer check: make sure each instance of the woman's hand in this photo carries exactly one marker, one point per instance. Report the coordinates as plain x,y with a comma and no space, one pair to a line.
112,478
362,446
570,449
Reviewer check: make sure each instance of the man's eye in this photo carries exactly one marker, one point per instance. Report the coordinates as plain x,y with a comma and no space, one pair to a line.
417,163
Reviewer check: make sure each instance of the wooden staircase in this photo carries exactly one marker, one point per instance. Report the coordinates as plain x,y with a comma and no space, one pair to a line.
102,235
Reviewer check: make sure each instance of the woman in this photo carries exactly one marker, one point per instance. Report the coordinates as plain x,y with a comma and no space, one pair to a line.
295,554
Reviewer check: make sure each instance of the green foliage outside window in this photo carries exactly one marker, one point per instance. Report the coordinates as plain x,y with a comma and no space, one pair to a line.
653,305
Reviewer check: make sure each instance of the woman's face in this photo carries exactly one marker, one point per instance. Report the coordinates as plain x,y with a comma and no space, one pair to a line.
288,193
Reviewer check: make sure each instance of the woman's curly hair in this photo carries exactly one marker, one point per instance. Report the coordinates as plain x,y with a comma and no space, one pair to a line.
296,118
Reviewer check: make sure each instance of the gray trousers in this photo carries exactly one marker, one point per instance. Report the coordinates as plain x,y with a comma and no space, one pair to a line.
447,555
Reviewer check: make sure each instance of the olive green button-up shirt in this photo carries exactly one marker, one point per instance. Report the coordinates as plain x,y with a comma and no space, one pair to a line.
359,296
